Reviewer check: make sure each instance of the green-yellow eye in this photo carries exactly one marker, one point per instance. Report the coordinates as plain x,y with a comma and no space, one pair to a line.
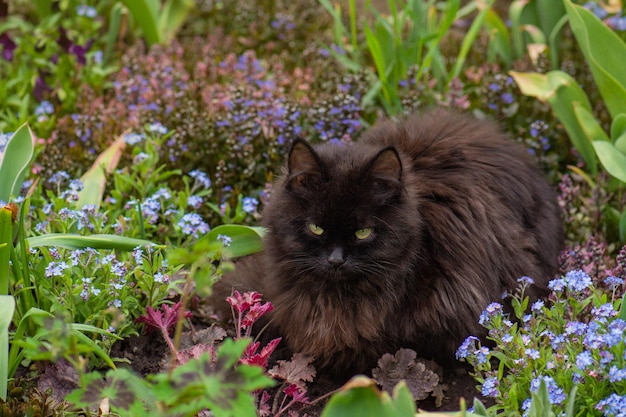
363,233
315,229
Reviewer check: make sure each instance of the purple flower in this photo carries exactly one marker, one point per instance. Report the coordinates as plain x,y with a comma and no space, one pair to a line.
614,282
226,240
616,374
8,46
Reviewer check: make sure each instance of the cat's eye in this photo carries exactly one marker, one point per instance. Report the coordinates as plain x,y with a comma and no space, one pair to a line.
363,233
315,229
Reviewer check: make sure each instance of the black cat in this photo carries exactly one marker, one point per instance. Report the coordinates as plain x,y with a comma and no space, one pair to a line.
400,239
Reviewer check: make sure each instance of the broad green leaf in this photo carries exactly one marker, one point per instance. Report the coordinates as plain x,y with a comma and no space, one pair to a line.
611,158
146,15
97,241
7,307
589,124
618,126
605,53
622,309
94,180
360,397
15,162
560,90
246,240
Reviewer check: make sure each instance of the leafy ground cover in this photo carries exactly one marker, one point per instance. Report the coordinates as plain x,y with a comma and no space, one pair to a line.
154,130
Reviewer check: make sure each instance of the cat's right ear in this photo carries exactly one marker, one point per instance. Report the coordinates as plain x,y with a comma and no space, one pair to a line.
303,165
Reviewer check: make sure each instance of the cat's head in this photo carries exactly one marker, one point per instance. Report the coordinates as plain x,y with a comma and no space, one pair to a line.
342,214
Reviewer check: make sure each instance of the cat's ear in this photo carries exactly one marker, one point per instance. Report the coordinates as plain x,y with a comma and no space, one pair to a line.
386,166
303,164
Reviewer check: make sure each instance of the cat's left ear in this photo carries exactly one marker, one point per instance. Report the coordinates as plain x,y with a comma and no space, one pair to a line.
386,166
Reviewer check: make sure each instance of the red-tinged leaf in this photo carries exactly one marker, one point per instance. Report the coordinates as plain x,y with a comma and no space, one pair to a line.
298,394
264,406
255,313
297,371
242,302
164,319
250,357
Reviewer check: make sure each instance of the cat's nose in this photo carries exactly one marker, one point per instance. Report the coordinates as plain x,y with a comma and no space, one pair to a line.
336,257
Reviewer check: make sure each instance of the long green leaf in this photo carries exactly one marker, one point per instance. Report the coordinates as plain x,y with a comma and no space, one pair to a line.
611,158
7,307
6,247
468,40
97,241
146,15
605,53
94,180
17,353
172,17
18,154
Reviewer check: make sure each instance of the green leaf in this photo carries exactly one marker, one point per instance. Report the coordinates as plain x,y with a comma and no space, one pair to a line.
561,91
618,126
611,158
246,240
622,227
589,124
360,397
6,246
97,241
605,53
7,307
18,154
94,180
173,16
146,15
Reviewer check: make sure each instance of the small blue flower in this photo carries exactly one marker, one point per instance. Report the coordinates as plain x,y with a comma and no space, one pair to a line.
133,138
157,128
613,405
226,240
87,11
490,311
557,285
614,282
195,201
577,280
537,305
467,347
616,374
44,108
555,393
201,178
192,224
584,360
250,204
604,311
490,387
56,269
532,353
